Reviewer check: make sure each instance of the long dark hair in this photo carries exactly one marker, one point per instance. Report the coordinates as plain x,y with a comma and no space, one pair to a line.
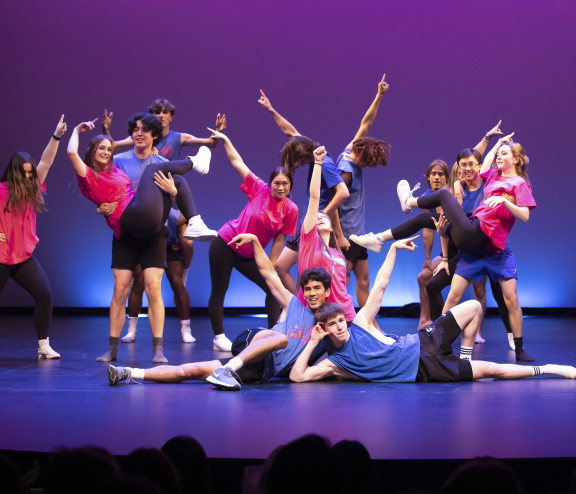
298,149
22,192
91,151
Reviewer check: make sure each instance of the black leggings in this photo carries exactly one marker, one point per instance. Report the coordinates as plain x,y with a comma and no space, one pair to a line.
146,213
437,283
30,276
222,260
465,232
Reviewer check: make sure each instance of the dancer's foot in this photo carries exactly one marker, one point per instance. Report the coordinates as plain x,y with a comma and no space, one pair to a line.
187,336
221,343
370,241
479,340
117,374
223,378
45,351
511,341
107,357
201,162
129,337
404,193
197,230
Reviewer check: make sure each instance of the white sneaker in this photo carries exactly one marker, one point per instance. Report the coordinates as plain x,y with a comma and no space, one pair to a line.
222,343
201,161
129,337
404,193
369,241
45,350
197,230
511,341
187,336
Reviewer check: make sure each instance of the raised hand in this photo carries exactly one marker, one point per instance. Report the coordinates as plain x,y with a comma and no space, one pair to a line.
264,101
495,130
61,127
382,86
406,244
221,122
107,119
84,126
216,134
319,154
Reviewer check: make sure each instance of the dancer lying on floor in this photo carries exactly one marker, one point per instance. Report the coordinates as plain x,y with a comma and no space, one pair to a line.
365,353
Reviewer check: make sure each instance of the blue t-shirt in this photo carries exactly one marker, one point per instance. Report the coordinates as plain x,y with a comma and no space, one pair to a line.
353,210
169,146
133,166
472,198
297,326
373,360
330,178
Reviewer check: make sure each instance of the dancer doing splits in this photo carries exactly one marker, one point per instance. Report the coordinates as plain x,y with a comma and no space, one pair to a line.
22,188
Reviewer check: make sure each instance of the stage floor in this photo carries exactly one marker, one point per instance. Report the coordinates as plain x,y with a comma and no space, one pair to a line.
67,402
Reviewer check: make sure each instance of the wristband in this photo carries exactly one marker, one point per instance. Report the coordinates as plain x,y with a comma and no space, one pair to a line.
488,137
319,164
56,138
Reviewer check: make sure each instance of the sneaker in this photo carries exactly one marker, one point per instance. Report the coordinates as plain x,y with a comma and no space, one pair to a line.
197,230
222,344
201,162
45,351
404,193
370,241
117,374
224,378
187,336
511,341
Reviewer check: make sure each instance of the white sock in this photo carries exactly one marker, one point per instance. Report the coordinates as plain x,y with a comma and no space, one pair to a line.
185,275
466,352
234,364
137,373
185,324
132,322
220,336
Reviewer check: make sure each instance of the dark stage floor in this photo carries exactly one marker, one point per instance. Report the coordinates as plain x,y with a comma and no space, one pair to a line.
67,402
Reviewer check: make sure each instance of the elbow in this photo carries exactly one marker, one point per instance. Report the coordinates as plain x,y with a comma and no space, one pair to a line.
296,378
72,154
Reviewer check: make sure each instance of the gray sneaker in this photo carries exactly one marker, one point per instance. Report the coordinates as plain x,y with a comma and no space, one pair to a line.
225,379
117,374
369,241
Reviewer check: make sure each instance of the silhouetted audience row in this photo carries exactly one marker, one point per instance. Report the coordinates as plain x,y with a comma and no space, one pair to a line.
308,465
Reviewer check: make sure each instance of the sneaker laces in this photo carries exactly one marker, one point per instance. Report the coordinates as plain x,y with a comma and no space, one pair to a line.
415,188
232,373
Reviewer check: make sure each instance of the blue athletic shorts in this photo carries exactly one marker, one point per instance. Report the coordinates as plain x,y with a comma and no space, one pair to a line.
497,266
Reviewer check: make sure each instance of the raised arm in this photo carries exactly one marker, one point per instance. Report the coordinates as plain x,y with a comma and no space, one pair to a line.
491,156
372,111
311,217
483,144
369,312
285,125
49,153
106,123
211,142
77,162
265,267
233,155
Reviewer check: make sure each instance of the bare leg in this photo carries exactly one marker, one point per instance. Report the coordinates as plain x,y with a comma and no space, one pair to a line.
482,370
468,315
152,285
423,278
510,294
263,343
179,373
362,275
480,295
457,289
285,261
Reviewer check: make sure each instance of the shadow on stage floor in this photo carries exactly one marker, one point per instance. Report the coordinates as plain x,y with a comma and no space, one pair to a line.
67,402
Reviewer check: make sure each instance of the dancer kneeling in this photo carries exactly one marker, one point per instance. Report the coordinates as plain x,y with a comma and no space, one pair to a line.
364,353
138,223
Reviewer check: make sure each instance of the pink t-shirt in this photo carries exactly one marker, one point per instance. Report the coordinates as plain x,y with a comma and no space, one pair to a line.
263,216
108,187
312,252
20,230
497,222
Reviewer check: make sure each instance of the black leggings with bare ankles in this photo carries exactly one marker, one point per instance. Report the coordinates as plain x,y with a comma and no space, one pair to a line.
148,210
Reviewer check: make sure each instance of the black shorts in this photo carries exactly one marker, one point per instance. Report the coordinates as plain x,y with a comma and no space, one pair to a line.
173,255
258,372
129,251
293,242
437,362
355,253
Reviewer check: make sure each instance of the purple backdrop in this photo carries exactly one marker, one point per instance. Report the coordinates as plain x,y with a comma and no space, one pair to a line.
454,69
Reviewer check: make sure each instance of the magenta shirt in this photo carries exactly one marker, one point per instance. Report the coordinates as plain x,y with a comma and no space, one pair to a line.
20,230
497,222
263,216
312,252
108,187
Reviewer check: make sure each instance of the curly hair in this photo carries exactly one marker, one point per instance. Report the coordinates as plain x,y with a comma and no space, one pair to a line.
370,152
23,192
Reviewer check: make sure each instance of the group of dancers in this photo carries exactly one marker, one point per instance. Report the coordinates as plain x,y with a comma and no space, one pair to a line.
314,316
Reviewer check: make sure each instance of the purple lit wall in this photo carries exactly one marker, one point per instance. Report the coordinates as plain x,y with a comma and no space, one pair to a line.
454,69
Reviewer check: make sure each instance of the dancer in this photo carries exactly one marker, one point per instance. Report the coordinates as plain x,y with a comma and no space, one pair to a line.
260,354
333,191
507,196
270,215
180,249
470,192
318,246
362,152
137,221
22,188
364,353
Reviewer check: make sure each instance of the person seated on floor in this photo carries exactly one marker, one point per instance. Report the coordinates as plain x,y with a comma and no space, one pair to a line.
260,353
365,353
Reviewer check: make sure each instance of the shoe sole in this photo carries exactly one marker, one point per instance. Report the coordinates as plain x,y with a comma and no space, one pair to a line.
405,208
221,386
366,245
44,356
201,238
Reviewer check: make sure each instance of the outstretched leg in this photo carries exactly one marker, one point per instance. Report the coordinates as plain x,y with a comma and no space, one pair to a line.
163,373
481,370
